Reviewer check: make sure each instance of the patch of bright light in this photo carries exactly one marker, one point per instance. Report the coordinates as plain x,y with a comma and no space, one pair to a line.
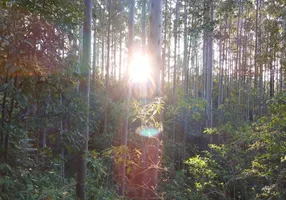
139,69
148,131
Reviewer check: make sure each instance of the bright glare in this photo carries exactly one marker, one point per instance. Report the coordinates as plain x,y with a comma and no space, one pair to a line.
148,131
139,69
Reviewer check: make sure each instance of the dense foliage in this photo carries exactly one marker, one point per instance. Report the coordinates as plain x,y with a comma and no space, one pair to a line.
218,122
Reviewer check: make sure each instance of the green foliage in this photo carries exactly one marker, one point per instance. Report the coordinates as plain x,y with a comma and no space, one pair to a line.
26,181
178,187
251,162
100,182
42,114
149,114
194,106
41,111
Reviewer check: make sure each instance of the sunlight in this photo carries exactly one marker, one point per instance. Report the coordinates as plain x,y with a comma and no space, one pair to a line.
139,69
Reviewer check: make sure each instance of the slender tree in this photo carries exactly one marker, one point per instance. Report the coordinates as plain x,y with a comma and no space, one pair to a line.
94,70
107,68
130,52
186,80
175,69
155,48
84,88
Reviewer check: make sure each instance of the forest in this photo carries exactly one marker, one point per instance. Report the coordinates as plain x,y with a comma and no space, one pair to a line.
142,99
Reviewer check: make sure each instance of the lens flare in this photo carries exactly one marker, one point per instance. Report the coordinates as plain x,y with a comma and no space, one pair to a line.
148,131
139,69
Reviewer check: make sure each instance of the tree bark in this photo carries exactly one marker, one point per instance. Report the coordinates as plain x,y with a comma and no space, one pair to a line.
94,70
84,89
130,52
155,48
186,81
107,70
175,73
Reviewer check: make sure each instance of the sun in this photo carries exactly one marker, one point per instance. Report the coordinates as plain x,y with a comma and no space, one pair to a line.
139,70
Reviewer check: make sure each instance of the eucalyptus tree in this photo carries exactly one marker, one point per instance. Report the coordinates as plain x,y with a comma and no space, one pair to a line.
121,7
256,56
155,48
186,78
84,88
176,25
208,59
94,61
107,68
130,53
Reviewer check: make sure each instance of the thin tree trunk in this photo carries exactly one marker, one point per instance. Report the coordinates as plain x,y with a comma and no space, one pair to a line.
79,58
94,70
169,59
107,70
111,58
175,73
164,49
272,72
120,40
256,56
102,55
84,89
143,25
130,48
155,47
209,59
220,75
239,54
186,80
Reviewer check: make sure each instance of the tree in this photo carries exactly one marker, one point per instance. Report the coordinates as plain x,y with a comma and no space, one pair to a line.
155,47
176,25
209,62
130,53
84,89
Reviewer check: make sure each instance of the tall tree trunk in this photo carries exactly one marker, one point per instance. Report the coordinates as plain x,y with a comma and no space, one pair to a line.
107,70
79,58
143,25
175,73
209,76
102,55
169,54
272,73
94,70
155,47
256,69
186,80
220,75
164,49
130,51
260,64
239,42
84,89
120,40
205,51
